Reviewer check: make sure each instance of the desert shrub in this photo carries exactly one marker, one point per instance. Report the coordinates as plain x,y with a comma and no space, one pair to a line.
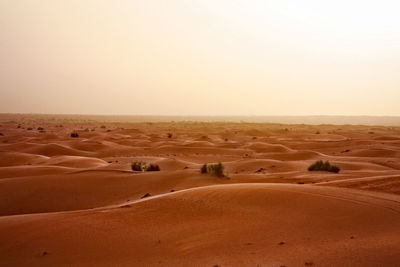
137,166
214,169
1,134
142,166
40,128
169,135
29,128
19,126
103,126
203,168
323,166
74,135
152,168
318,132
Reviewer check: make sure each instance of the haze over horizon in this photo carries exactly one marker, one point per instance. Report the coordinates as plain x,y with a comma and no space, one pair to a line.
222,58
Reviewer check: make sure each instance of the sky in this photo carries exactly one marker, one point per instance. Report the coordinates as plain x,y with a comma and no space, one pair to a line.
200,57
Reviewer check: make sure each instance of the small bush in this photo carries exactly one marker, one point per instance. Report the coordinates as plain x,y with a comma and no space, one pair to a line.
40,129
323,166
103,126
142,166
137,166
203,168
214,169
152,168
169,135
74,135
29,128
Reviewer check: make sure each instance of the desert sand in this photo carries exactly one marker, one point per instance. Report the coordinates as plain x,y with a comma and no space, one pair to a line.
76,202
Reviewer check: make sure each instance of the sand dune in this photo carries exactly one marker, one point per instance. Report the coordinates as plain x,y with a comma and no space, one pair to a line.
260,147
229,225
53,149
76,201
76,162
18,159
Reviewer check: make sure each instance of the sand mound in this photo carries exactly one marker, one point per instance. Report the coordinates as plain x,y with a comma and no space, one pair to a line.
83,189
17,158
171,164
388,153
295,155
389,183
27,170
88,145
231,225
360,166
54,149
265,166
76,162
200,150
260,147
313,137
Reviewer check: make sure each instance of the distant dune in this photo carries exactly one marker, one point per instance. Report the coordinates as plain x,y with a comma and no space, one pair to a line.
314,120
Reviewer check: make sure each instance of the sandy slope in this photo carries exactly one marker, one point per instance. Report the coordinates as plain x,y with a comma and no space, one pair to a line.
226,225
75,201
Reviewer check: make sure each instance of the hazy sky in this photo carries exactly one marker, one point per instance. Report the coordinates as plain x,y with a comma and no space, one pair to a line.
171,57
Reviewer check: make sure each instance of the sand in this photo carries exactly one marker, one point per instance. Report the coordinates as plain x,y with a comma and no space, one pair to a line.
76,202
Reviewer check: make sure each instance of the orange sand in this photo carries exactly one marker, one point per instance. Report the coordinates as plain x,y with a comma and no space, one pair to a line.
76,202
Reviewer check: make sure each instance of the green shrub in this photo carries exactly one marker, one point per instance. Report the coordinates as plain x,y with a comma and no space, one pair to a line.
214,169
323,166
